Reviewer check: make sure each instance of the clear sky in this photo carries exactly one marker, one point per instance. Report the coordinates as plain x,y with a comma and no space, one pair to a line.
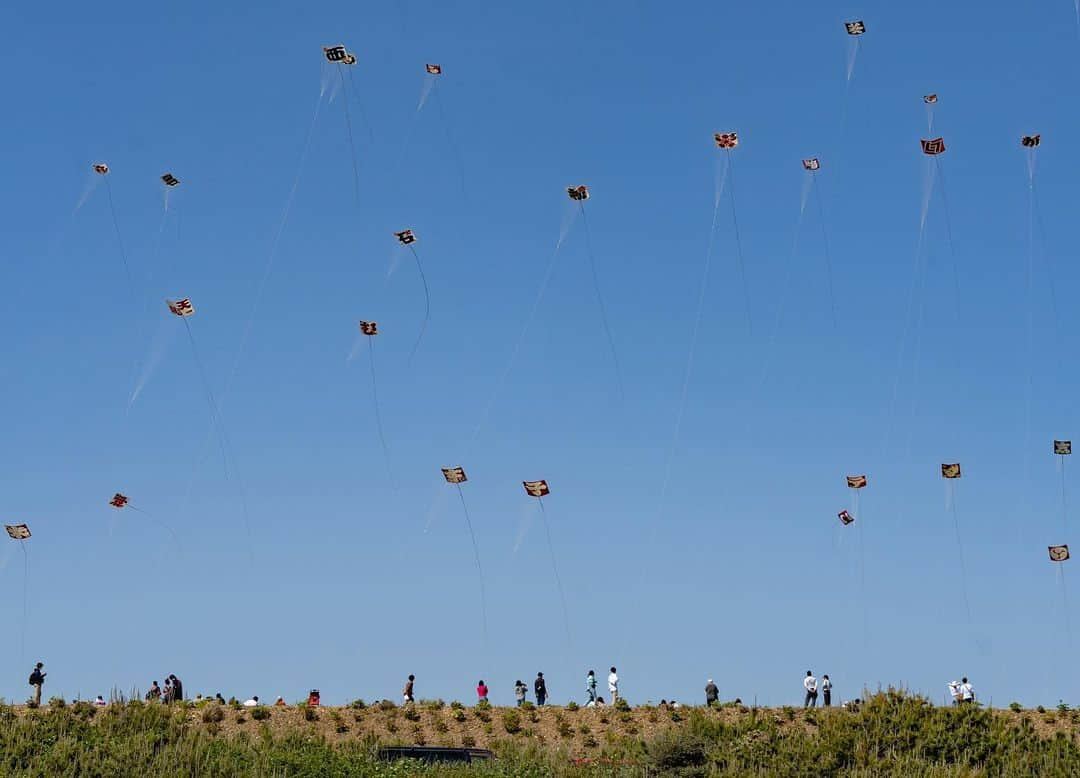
349,579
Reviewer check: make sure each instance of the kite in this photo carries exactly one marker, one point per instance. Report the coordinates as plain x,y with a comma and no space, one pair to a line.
856,481
578,193
431,89
726,140
929,99
456,477
17,531
1063,447
845,517
101,168
407,238
118,500
433,70
536,488
181,307
369,328
1030,141
338,54
933,147
857,27
950,470
170,179
811,164
1058,553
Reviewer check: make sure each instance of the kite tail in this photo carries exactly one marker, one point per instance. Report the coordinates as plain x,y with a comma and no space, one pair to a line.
600,302
853,53
453,146
352,145
828,256
429,84
739,253
479,568
427,304
555,570
378,413
88,190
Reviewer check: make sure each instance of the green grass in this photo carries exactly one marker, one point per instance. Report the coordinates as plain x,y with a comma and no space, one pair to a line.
894,734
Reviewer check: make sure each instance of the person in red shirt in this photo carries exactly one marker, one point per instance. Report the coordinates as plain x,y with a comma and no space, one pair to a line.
482,691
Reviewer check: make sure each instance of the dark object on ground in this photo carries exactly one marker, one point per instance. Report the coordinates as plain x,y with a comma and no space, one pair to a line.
431,754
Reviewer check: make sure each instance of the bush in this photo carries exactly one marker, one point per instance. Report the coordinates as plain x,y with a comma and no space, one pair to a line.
458,715
572,706
387,705
57,702
676,751
511,720
433,704
261,713
456,705
621,705
240,718
411,713
213,715
528,705
357,704
468,741
310,714
1015,707
483,705
484,714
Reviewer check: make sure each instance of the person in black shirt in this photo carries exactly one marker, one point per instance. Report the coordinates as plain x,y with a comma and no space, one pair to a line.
540,688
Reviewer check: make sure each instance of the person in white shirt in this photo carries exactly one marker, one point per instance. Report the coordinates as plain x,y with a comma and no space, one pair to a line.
954,692
967,691
100,702
252,703
810,684
826,690
613,685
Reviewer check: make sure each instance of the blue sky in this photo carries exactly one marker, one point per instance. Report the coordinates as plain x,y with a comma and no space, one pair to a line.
349,581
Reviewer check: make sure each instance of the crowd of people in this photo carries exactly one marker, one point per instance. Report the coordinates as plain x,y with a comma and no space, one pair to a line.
962,692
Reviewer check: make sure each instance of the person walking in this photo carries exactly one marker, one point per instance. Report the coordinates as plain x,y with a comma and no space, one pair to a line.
520,690
712,693
407,692
967,692
613,685
590,686
37,680
177,689
810,684
826,690
540,689
481,691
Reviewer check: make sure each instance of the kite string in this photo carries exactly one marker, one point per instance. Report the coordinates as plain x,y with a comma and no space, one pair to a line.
600,302
378,414
739,252
452,143
160,523
555,570
476,554
828,256
960,555
120,244
360,105
349,135
427,303
1064,504
26,599
949,235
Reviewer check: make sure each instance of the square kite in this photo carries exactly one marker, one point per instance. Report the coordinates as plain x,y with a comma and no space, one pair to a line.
929,99
1062,447
369,327
17,531
856,481
434,70
405,237
857,27
811,164
1030,141
118,500
454,475
536,488
845,518
726,140
578,193
181,307
339,54
1058,553
101,168
934,146
170,179
950,471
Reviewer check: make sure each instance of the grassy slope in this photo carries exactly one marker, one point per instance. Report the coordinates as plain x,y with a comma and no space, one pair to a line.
894,735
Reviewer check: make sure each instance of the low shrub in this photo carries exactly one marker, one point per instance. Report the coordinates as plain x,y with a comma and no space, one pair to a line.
572,706
511,720
261,713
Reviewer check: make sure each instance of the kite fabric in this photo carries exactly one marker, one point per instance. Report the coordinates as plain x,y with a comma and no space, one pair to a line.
170,180
951,470
433,69
1058,553
17,531
338,54
933,147
369,327
856,481
578,193
811,164
1063,447
536,488
845,517
118,500
929,99
1030,141
454,475
857,27
181,307
101,168
405,237
726,140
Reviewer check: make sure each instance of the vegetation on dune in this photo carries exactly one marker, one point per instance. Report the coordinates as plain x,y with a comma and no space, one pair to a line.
894,734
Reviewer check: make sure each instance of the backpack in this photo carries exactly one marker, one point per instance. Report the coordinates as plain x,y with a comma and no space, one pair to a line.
35,678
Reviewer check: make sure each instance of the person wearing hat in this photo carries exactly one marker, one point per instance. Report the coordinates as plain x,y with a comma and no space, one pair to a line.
37,680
